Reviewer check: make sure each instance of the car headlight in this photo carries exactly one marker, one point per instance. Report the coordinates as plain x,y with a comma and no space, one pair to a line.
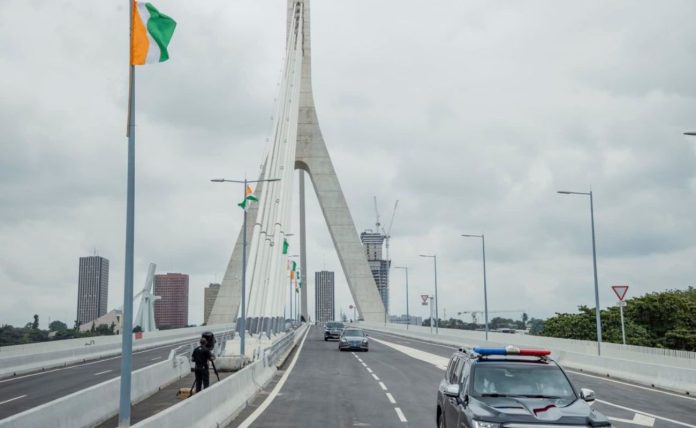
365,340
483,424
343,339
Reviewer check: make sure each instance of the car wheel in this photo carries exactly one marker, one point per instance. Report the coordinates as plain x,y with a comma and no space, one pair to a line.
326,340
442,421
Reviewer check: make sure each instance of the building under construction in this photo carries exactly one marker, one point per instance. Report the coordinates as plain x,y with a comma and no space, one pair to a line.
372,243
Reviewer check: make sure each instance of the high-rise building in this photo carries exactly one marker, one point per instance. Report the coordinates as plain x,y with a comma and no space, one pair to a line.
92,288
324,308
372,243
210,293
171,311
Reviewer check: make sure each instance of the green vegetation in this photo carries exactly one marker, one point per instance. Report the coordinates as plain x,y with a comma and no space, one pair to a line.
663,319
58,330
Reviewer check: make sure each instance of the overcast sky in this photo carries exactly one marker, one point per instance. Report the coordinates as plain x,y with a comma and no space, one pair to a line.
470,113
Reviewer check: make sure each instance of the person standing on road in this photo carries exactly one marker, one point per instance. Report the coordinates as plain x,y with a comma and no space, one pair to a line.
201,355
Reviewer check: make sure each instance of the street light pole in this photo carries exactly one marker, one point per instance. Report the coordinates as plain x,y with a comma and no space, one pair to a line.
242,321
598,319
485,288
437,313
408,316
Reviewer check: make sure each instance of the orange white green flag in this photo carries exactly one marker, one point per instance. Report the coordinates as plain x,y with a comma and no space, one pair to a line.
248,197
151,33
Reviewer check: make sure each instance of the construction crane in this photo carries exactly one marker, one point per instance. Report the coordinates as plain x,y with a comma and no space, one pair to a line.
379,227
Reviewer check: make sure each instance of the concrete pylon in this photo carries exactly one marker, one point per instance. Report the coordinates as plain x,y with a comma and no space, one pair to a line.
313,157
226,307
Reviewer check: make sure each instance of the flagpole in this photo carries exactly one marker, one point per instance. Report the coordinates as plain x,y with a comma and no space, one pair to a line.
127,326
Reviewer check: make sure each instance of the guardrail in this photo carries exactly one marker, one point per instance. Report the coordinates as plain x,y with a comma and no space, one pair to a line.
666,372
221,403
46,355
98,403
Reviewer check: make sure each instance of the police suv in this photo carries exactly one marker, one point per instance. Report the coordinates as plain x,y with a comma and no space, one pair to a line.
511,388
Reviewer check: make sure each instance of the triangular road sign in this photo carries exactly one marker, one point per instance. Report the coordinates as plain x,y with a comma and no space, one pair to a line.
620,291
425,298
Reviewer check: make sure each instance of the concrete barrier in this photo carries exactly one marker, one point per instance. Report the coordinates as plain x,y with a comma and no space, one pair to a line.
46,355
98,403
222,402
667,372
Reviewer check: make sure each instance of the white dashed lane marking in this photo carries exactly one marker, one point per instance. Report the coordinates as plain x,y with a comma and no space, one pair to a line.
13,399
400,414
390,397
104,372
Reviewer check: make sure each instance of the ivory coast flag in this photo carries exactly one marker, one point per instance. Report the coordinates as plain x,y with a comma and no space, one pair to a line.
248,197
151,34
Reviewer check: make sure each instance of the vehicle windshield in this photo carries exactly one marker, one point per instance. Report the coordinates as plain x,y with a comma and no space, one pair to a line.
522,381
353,333
334,325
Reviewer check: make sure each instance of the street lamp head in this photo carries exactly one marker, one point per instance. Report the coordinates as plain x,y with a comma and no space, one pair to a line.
426,255
218,180
471,236
690,133
564,192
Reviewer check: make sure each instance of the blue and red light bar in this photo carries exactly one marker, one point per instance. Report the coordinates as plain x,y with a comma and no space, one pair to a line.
512,350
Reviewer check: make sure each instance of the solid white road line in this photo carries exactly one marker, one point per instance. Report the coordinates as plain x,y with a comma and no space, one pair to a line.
400,414
267,402
101,373
452,347
13,399
632,385
383,386
375,376
391,398
368,369
638,419
647,414
436,360
89,363
156,358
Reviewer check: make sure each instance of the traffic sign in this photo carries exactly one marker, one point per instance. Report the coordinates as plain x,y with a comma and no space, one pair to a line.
425,298
620,291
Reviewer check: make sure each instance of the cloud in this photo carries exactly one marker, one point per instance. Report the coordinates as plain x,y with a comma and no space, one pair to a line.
472,114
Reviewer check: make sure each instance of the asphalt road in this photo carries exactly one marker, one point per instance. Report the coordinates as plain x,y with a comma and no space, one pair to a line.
25,392
395,383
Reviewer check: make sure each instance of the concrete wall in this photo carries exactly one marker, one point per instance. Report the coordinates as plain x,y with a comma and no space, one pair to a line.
98,403
671,373
42,356
222,402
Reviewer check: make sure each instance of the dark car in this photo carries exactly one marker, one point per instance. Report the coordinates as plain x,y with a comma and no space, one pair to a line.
333,330
353,339
495,387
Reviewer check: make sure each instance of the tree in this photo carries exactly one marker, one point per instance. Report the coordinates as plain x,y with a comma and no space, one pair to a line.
57,326
137,329
536,327
525,318
35,324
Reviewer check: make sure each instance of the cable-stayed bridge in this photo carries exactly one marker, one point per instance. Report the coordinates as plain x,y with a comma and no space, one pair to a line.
297,143
74,383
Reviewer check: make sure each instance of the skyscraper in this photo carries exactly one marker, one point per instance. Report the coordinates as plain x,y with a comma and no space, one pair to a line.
324,308
171,311
372,243
92,288
210,293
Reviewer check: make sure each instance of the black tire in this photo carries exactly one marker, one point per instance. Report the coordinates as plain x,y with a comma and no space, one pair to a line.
442,423
325,339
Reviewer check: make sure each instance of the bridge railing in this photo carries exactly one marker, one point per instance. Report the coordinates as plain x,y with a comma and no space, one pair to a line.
20,359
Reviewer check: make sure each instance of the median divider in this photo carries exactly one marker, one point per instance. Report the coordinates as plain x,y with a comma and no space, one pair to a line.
220,403
98,403
60,353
